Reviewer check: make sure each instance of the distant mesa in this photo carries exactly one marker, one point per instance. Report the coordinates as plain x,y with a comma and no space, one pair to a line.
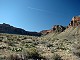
6,28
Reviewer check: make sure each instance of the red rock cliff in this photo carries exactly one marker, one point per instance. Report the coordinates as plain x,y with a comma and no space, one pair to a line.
75,21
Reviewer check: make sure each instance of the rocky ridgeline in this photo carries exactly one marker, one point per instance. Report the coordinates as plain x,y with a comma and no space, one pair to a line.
58,28
6,28
55,28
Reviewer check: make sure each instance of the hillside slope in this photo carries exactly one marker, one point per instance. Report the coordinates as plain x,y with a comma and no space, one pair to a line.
67,43
60,46
6,28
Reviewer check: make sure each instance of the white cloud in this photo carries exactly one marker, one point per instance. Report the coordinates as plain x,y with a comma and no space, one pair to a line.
38,9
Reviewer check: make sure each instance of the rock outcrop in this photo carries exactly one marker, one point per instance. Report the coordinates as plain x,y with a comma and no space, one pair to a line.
75,21
58,28
55,28
6,28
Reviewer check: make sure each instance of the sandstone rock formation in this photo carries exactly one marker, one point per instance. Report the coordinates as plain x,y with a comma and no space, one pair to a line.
75,21
58,28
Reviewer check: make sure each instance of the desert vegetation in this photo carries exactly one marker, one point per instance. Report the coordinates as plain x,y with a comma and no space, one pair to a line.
53,46
23,47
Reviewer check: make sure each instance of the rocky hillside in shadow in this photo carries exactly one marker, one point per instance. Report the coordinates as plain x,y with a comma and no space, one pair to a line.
6,28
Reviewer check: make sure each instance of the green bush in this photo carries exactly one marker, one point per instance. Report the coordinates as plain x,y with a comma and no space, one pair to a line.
33,53
29,45
17,49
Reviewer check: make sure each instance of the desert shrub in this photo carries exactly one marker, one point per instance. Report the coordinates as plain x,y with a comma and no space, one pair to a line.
56,57
23,42
29,41
65,39
53,57
15,57
24,38
55,39
49,45
29,45
18,39
31,54
1,39
61,46
10,38
11,43
2,47
53,49
21,57
9,48
76,51
17,49
77,54
36,43
42,42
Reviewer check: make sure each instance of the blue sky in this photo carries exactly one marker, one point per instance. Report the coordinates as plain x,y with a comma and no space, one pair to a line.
37,15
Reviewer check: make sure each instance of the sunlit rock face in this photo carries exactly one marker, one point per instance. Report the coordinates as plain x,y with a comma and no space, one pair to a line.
75,21
58,28
6,28
55,28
